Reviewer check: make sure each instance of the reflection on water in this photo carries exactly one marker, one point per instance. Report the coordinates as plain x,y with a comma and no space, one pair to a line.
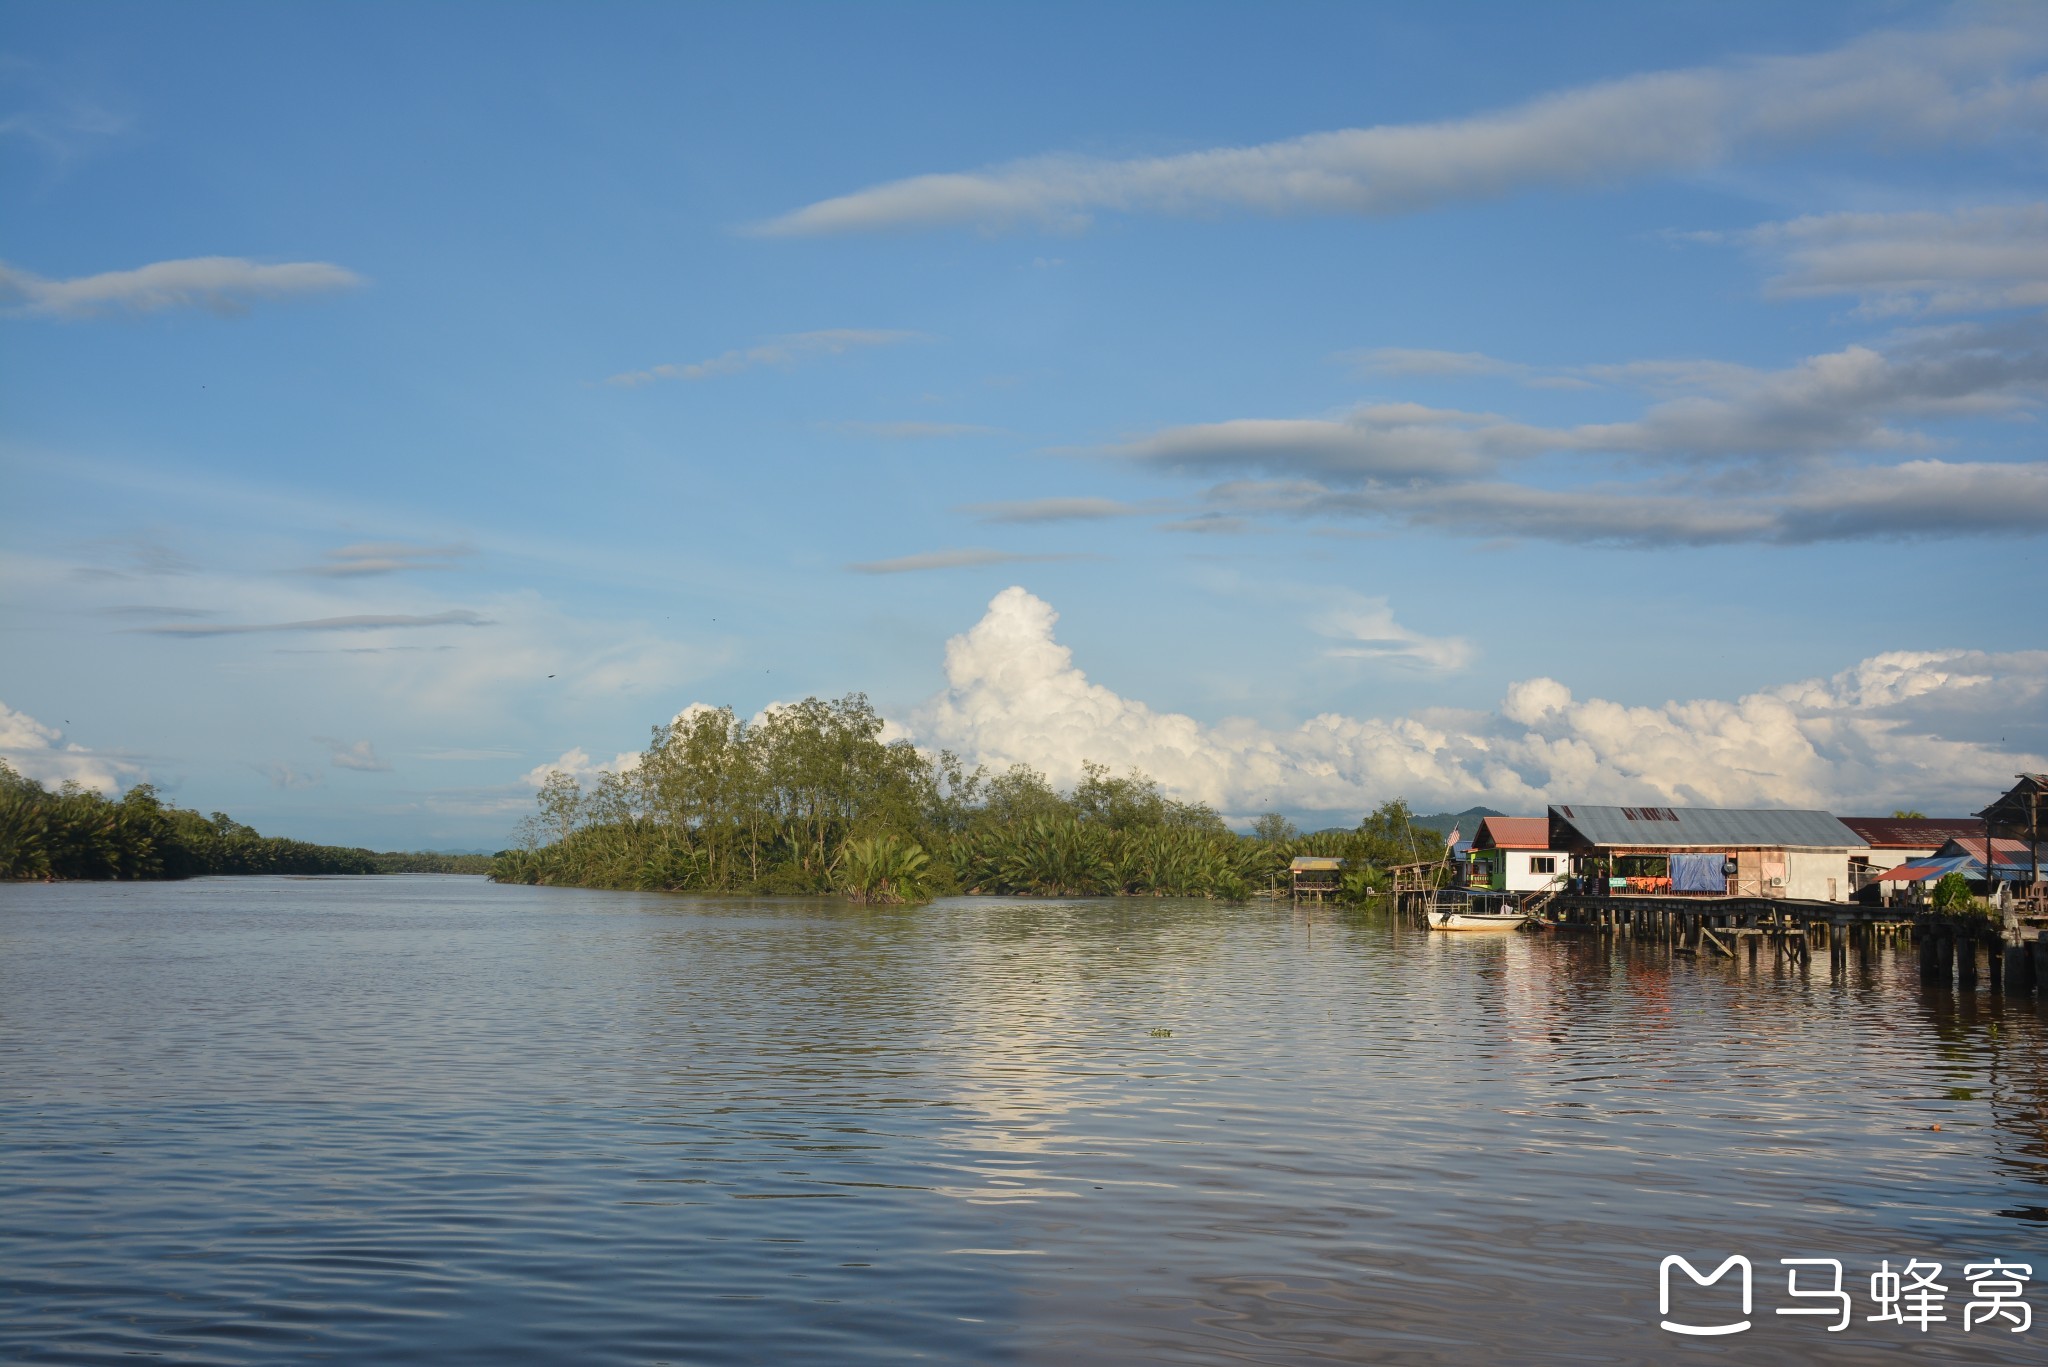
426,1119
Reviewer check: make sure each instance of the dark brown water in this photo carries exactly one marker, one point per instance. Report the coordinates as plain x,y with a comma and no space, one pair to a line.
434,1120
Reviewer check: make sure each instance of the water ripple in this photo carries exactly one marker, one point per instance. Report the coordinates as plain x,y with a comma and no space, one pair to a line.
431,1120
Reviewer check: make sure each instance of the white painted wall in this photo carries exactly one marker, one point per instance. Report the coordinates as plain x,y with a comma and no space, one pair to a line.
1808,875
1522,878
1880,860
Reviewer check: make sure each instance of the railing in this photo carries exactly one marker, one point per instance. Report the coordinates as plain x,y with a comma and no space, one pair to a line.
1532,903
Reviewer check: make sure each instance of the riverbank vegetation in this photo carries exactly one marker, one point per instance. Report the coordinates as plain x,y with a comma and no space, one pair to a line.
810,798
73,832
430,861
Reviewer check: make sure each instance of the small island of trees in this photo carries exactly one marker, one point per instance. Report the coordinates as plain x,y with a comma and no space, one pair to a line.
810,799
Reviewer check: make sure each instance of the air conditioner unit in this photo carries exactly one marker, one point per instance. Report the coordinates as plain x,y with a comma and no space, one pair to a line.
1777,882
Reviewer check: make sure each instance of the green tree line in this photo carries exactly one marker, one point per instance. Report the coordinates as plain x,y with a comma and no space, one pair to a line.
811,799
73,832
431,861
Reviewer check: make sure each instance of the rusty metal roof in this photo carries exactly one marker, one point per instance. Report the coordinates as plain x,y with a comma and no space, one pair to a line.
1313,863
1699,828
1513,833
1911,832
2003,851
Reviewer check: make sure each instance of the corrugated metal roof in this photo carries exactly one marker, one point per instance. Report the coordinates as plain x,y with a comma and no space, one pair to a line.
2004,851
1312,863
1911,832
1919,870
1514,833
1704,828
2014,808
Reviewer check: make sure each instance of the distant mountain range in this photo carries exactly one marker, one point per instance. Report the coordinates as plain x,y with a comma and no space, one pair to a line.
1466,821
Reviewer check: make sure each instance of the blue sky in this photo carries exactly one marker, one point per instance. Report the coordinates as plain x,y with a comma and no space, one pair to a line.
1487,403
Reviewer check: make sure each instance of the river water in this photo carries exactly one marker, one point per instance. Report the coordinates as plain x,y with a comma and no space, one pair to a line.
420,1119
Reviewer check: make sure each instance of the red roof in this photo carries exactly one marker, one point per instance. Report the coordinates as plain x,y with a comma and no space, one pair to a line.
1911,832
1516,833
2003,851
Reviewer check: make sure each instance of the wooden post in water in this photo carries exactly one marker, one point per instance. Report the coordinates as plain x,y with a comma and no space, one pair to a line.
1966,962
1930,957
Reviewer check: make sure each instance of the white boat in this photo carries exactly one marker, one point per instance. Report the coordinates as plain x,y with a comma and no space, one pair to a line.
1477,920
1475,913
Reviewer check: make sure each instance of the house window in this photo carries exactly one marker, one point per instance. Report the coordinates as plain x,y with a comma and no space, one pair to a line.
1543,863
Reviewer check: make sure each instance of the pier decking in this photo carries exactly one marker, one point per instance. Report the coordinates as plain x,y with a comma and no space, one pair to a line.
2014,950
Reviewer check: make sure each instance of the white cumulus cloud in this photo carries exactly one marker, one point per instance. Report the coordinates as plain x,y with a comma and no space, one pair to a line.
578,764
40,752
1939,730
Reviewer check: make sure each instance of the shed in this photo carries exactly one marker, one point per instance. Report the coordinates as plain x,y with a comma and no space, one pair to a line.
2009,863
1315,877
1774,852
2022,814
2012,861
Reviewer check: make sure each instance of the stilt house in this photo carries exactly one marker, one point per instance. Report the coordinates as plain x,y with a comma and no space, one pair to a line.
1513,854
1709,851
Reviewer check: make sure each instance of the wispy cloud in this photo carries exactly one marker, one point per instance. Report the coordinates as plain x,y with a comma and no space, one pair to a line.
359,755
1839,446
1968,82
1399,442
1423,363
1965,260
970,557
219,284
777,351
286,776
1913,501
1209,524
126,557
156,612
386,557
458,617
916,431
52,112
1365,627
1031,510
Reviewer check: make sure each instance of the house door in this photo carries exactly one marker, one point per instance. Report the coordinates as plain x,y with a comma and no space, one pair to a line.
1749,877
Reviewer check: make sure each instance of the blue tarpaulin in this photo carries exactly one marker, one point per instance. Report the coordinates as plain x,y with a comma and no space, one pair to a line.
1698,873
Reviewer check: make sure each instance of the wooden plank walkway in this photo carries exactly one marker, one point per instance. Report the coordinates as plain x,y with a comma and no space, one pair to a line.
2013,951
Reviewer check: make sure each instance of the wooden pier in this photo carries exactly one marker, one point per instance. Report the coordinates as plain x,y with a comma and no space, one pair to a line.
2012,950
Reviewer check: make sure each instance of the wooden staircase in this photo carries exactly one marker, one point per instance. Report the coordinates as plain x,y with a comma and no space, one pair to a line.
1532,904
